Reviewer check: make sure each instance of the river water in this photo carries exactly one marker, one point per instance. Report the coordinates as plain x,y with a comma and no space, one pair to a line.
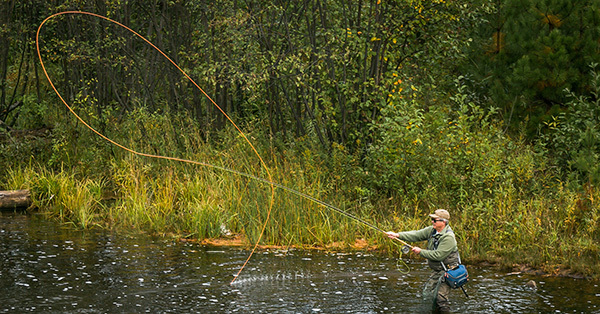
49,268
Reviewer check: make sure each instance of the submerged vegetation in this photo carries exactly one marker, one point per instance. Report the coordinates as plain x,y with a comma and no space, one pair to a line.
374,108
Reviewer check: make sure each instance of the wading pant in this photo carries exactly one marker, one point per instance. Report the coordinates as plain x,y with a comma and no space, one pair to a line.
435,294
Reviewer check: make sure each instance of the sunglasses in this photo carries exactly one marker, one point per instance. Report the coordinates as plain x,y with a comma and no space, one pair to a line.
436,220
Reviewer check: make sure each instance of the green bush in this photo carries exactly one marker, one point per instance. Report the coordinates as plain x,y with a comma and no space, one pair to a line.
451,153
574,137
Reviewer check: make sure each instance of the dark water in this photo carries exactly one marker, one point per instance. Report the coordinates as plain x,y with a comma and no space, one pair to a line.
47,268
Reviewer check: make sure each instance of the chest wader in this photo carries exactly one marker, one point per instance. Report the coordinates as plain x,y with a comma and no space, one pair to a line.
431,289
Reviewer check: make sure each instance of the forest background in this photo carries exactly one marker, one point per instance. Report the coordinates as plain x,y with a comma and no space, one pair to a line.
385,109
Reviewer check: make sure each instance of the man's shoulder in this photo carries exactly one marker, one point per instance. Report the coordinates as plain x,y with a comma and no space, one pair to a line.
428,228
448,232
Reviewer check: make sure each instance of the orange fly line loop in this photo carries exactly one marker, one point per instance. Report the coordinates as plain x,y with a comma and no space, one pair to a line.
269,181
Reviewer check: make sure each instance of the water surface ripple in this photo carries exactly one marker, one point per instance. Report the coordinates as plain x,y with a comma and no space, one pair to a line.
49,268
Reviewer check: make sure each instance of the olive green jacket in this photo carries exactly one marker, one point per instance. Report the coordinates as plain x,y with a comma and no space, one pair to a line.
445,251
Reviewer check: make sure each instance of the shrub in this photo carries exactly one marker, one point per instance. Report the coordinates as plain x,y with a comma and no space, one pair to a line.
574,136
448,154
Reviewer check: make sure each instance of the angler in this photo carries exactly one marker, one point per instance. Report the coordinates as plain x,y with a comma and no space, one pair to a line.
441,254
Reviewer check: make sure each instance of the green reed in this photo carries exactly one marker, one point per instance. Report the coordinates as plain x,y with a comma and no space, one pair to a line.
202,202
539,232
60,194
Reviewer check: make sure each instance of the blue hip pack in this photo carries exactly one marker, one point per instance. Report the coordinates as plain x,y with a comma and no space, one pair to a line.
457,277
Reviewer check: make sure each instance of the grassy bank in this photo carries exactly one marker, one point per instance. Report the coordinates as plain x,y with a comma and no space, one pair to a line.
506,231
532,219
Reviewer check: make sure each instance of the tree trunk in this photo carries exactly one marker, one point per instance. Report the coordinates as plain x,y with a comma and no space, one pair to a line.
14,199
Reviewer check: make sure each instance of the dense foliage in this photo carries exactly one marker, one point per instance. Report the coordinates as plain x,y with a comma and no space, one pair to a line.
529,52
388,109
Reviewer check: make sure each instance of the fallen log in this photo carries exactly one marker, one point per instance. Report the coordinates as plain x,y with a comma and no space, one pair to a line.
10,200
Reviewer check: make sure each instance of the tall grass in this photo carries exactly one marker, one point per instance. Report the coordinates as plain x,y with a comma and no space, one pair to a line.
60,195
550,231
527,217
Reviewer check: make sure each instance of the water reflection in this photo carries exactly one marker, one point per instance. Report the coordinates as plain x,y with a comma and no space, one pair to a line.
48,268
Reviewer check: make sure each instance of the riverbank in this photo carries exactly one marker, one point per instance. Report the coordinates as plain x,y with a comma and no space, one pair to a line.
509,210
532,236
362,245
240,241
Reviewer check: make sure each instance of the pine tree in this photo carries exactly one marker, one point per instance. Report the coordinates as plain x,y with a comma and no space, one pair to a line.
535,49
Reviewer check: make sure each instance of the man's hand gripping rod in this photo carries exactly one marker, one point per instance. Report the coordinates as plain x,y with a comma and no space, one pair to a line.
405,246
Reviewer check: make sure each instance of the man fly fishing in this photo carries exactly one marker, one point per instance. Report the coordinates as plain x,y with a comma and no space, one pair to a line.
441,253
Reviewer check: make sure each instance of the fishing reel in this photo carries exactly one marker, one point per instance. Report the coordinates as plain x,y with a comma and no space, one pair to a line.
405,249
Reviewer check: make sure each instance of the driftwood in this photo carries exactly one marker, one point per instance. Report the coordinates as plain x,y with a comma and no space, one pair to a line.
14,199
